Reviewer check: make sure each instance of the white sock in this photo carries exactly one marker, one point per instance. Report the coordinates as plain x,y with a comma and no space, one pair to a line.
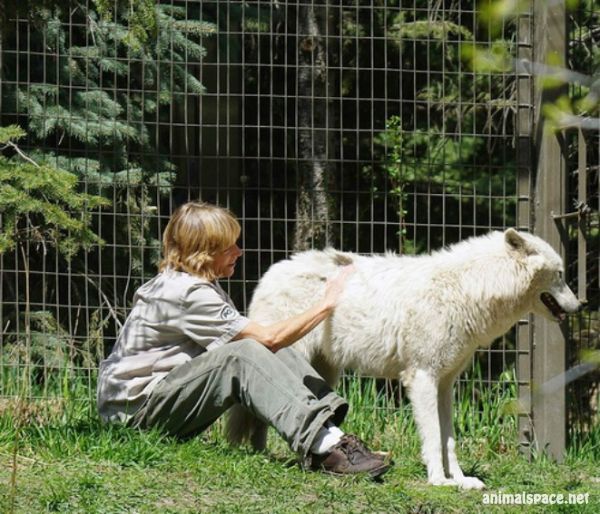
326,439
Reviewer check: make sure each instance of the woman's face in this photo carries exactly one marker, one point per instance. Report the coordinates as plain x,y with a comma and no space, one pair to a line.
224,262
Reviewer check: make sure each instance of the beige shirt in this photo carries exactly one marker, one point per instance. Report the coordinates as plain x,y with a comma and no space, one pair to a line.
175,317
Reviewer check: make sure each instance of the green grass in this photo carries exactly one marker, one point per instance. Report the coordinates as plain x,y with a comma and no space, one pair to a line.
68,462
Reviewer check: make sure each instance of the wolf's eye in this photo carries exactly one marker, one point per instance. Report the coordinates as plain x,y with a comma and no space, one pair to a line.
560,274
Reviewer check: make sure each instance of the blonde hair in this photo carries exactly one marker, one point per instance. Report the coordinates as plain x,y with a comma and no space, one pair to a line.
196,232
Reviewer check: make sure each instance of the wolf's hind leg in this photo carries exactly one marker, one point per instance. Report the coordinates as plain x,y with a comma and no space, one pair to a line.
241,426
330,373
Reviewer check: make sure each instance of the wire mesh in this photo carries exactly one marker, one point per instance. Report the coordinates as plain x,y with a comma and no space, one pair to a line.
359,125
581,224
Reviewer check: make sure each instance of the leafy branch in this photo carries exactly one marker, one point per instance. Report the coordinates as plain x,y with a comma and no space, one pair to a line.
40,204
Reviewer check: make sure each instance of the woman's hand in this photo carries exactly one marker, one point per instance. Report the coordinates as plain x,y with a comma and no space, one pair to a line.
286,332
335,285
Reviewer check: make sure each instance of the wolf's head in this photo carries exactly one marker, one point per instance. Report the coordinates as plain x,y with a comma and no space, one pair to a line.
550,296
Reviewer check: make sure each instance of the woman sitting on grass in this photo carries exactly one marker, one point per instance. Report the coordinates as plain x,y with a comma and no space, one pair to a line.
185,353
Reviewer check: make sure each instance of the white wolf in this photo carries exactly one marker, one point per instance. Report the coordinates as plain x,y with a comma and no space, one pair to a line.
417,318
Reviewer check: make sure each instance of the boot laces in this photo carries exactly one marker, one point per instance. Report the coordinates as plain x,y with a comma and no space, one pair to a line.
354,448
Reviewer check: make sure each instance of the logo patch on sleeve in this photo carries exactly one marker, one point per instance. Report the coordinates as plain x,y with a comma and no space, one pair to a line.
227,312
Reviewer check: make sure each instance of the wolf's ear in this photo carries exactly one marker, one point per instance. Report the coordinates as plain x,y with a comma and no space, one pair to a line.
517,242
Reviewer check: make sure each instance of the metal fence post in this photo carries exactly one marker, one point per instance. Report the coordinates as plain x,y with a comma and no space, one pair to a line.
549,413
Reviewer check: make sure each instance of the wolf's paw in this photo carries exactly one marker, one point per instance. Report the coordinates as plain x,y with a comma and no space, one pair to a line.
443,481
470,483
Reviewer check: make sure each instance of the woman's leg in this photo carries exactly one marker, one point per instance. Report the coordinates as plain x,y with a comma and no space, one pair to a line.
195,394
311,378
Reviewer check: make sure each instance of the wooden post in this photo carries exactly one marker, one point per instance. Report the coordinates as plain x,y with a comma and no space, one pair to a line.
549,348
524,219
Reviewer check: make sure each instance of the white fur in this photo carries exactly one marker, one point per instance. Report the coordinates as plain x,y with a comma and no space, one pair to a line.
419,319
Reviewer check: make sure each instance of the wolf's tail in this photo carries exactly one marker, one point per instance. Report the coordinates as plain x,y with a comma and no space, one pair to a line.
243,427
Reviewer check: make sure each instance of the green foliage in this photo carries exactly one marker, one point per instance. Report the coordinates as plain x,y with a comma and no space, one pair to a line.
12,9
119,70
434,145
10,134
422,158
402,29
495,58
583,99
495,14
488,411
82,102
90,467
424,155
584,96
141,15
40,204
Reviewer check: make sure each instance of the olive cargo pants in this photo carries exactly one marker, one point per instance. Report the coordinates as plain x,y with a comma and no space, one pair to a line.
280,388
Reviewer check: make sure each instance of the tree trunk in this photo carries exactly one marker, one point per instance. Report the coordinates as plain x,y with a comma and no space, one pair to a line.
312,208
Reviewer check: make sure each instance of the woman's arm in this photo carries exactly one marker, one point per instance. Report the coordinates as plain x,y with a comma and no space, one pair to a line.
286,332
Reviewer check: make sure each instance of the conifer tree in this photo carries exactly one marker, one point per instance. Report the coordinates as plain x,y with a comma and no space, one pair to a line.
103,77
40,208
40,204
105,91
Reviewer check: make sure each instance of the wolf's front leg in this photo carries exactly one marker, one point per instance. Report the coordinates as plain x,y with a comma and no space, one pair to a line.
451,465
423,394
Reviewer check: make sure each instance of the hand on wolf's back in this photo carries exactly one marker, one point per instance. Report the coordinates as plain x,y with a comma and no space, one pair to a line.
335,285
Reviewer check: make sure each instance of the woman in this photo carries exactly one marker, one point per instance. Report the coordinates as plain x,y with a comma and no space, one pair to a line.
185,353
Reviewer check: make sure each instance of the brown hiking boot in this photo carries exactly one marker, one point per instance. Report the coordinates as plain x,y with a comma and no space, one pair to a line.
350,456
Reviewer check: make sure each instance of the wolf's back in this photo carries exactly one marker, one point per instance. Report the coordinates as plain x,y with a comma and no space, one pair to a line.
293,285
